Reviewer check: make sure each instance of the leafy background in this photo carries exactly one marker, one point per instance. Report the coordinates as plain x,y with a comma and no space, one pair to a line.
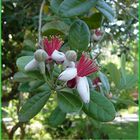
119,61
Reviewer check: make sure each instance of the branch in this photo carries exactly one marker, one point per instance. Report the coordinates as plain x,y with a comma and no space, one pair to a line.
11,134
40,24
97,56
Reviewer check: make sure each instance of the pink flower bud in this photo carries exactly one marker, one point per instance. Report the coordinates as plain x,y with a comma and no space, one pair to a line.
97,35
71,55
40,55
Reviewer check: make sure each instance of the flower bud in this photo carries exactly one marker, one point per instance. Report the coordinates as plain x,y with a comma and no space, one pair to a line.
97,35
40,55
71,55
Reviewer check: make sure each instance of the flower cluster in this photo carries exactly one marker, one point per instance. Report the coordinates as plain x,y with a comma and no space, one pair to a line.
75,73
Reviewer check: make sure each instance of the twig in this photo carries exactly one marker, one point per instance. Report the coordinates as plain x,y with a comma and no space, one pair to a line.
11,134
40,24
96,55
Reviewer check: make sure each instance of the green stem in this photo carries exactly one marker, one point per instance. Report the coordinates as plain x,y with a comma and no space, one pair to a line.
47,81
61,87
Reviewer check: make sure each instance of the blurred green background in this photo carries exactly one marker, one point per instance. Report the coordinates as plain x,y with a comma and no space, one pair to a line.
19,36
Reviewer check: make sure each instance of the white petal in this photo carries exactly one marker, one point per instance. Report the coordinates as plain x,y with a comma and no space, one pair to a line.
58,56
68,74
83,89
69,64
32,65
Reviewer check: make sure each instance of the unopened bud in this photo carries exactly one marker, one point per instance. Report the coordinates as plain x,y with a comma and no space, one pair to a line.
97,35
71,55
40,55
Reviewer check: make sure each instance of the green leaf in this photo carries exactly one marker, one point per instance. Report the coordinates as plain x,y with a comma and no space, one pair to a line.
127,102
114,73
43,88
105,9
29,45
55,5
104,81
35,75
131,81
21,77
26,53
70,8
33,106
79,36
55,27
69,102
24,87
56,71
100,108
57,117
35,84
123,61
94,21
22,61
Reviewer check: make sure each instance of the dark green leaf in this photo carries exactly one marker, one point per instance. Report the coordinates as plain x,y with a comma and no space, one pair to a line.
55,5
26,53
33,106
55,27
29,45
79,36
70,8
21,77
35,75
35,84
105,9
57,117
24,87
43,88
69,102
100,108
94,21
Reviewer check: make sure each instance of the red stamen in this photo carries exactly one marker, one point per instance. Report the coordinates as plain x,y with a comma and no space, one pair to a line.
86,66
54,44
